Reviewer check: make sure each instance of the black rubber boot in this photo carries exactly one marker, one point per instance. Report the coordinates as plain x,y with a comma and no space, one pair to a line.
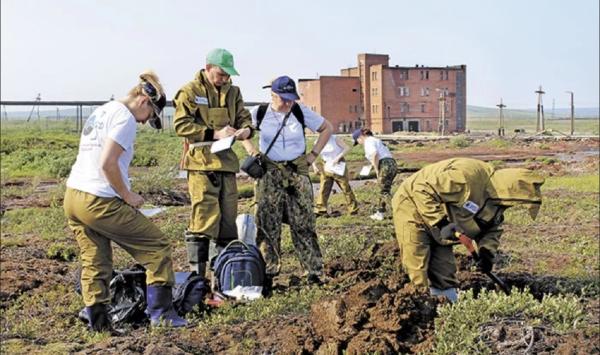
98,318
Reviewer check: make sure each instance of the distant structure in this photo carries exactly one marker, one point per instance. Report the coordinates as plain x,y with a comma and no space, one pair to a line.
571,93
501,127
540,125
36,105
390,99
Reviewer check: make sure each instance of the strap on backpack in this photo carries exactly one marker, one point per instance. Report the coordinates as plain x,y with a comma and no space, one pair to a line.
296,110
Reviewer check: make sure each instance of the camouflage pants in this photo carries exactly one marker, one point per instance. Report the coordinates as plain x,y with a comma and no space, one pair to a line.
327,180
387,172
283,196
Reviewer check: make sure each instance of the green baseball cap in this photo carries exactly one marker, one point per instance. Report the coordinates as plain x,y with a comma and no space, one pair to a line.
223,59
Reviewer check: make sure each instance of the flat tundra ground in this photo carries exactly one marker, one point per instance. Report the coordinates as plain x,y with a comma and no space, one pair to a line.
366,304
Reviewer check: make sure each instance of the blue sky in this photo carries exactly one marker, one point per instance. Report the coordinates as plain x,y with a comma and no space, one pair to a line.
89,50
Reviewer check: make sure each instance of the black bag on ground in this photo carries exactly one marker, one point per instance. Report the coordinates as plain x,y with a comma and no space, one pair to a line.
189,291
128,297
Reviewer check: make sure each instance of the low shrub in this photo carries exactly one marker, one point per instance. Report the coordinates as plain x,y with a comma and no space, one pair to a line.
459,142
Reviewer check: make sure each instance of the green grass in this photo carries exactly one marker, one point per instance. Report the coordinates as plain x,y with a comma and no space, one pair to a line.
490,125
581,183
295,302
47,223
457,326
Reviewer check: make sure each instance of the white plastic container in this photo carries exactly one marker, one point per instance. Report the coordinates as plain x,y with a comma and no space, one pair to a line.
246,228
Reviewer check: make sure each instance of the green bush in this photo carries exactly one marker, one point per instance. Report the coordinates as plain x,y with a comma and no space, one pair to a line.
457,325
459,142
62,252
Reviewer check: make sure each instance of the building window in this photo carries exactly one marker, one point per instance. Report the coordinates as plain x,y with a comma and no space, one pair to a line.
428,125
424,91
374,76
354,90
350,125
375,91
355,108
404,107
445,75
423,108
404,75
403,91
350,109
426,74
422,75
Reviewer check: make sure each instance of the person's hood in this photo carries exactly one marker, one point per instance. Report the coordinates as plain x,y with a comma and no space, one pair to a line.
517,187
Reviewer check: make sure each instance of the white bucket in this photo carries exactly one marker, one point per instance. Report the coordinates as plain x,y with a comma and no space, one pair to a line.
246,228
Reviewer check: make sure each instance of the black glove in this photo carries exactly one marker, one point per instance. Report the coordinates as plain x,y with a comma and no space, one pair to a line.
486,260
447,232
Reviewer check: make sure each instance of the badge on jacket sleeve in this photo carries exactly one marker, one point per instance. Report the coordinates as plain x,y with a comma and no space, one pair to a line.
200,100
471,207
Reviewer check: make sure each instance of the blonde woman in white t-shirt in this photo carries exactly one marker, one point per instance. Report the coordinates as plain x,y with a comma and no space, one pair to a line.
101,208
384,164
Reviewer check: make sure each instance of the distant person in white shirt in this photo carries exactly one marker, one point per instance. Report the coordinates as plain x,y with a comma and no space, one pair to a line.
101,208
385,167
333,170
284,193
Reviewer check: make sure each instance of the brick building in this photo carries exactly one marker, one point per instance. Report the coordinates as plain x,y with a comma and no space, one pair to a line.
389,99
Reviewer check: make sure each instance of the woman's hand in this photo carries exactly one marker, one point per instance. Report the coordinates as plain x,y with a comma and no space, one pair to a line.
133,199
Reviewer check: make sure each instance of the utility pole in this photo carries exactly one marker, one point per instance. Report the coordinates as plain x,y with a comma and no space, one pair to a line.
572,112
37,99
540,124
501,119
442,124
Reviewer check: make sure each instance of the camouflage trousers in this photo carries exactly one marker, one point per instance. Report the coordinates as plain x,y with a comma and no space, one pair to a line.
387,172
327,180
283,196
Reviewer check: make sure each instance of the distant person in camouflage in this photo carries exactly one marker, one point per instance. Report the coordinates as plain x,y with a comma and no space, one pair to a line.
333,170
284,194
384,164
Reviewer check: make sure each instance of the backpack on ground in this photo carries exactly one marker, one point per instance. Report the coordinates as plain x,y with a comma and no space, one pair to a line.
239,264
189,291
296,111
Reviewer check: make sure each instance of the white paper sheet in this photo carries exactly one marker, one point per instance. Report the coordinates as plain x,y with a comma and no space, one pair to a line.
152,211
365,171
222,144
337,169
245,293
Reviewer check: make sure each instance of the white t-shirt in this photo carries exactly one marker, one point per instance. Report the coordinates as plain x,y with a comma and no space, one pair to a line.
331,149
291,142
375,146
112,120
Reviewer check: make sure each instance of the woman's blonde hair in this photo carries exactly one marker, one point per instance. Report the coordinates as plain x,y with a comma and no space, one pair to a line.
150,77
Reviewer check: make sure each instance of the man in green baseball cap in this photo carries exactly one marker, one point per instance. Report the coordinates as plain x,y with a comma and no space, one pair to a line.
223,59
207,109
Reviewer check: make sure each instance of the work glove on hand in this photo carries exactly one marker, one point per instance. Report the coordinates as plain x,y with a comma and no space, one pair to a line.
486,260
447,232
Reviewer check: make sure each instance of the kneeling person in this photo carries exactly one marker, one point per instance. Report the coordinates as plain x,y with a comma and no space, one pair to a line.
456,195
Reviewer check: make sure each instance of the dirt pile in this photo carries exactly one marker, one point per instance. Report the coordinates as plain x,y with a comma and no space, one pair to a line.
373,318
